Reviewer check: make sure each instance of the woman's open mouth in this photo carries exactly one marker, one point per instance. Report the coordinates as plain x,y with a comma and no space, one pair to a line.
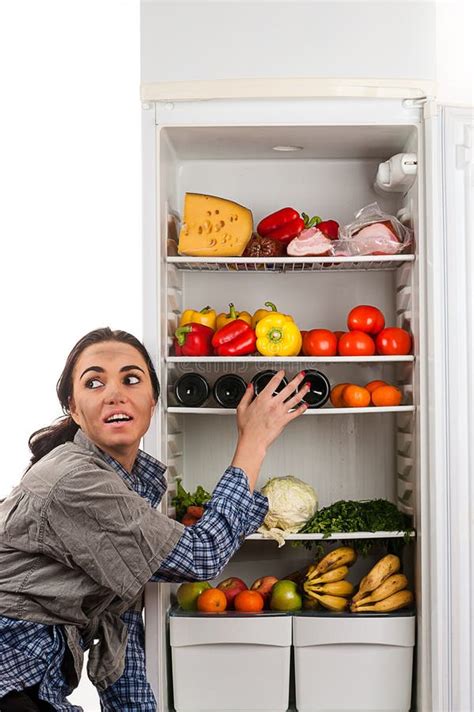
118,420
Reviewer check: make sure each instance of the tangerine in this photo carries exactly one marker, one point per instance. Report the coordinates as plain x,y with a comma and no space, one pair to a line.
212,600
386,396
249,601
336,394
355,396
375,384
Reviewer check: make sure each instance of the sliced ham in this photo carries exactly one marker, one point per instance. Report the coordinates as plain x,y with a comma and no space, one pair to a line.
375,239
310,242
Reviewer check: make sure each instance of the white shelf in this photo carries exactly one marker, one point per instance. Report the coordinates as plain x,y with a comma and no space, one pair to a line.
287,264
288,359
337,535
310,411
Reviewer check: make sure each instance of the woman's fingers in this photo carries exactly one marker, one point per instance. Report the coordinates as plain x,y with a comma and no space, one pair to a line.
298,411
297,397
246,398
272,384
291,387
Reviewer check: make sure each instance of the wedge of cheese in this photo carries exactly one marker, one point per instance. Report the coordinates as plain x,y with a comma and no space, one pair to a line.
214,227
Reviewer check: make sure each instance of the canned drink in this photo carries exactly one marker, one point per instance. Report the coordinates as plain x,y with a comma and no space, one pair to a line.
228,390
320,388
191,390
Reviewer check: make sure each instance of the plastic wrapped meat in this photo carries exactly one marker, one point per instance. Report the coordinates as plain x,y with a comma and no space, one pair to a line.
376,239
310,242
373,233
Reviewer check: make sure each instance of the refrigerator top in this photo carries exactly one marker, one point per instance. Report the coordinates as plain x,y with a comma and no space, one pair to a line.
287,88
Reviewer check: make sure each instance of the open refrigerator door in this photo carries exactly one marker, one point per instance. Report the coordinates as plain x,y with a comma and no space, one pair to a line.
226,148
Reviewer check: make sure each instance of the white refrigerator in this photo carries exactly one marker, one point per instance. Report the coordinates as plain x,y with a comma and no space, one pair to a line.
219,138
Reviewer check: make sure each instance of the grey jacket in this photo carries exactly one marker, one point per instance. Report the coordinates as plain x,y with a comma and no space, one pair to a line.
77,547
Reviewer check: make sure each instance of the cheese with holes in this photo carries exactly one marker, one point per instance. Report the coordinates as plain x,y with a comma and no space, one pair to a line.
214,227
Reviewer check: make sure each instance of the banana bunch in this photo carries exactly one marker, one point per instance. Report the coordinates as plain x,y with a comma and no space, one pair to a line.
383,589
325,582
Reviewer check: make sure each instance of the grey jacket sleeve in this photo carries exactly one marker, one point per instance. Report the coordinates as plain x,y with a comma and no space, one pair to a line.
109,531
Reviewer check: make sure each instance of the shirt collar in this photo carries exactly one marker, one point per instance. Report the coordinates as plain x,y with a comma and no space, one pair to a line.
144,467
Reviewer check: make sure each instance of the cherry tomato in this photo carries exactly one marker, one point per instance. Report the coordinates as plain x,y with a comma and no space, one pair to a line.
339,334
356,343
365,318
393,342
319,342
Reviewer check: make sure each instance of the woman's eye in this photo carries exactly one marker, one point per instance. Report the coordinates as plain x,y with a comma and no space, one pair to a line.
132,380
93,383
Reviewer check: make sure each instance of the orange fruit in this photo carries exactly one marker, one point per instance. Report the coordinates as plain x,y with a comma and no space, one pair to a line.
375,384
355,396
249,601
336,393
212,600
387,396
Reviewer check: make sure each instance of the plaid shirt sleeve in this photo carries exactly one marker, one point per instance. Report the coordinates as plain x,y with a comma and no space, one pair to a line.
205,548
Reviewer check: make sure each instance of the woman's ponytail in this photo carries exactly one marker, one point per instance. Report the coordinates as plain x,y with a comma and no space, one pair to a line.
46,439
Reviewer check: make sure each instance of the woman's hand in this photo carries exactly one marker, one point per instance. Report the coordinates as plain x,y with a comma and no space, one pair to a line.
260,421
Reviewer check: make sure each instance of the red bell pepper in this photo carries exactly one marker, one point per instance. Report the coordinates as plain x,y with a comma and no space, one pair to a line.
193,340
234,339
282,226
329,228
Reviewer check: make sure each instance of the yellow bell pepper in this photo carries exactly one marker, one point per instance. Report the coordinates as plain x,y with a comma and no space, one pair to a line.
206,316
278,335
223,318
260,313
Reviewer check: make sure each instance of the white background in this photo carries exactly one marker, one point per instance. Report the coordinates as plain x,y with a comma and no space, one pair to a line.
70,188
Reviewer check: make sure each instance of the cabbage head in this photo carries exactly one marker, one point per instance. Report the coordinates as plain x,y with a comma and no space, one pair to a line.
292,503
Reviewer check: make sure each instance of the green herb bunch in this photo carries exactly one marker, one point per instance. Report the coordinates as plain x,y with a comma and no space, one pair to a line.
372,515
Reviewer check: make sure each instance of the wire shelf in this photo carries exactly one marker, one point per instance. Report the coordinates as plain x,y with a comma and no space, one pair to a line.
288,264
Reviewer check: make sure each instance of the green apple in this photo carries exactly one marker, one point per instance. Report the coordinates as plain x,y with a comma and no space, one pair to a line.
285,596
188,594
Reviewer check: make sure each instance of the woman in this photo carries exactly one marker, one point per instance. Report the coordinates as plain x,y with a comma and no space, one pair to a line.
80,535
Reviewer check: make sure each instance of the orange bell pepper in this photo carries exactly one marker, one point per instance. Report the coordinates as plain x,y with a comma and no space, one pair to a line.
223,318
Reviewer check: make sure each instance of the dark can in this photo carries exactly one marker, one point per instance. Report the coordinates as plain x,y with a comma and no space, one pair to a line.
191,390
319,391
261,379
229,389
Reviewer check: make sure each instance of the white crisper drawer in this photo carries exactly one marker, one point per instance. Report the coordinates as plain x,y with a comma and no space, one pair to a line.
230,663
353,662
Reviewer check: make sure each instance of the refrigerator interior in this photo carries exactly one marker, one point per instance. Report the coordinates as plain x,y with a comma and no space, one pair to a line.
353,455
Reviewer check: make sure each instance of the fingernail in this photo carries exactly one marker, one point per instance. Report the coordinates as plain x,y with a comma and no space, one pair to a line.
307,384
302,373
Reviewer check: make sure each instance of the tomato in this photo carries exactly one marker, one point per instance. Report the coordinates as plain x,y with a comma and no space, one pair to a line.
319,342
356,343
393,342
366,318
302,332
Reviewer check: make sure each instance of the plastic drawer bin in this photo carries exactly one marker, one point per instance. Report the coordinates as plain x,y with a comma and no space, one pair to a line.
230,662
353,662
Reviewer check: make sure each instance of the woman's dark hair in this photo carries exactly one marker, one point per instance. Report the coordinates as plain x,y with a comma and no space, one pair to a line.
64,429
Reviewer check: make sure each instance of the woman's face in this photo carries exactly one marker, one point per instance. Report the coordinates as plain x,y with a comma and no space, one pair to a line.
112,399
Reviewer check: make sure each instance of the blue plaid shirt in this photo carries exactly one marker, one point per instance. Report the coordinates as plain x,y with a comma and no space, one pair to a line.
32,653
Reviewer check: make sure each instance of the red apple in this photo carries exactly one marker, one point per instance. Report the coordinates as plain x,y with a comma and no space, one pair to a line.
231,587
264,586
